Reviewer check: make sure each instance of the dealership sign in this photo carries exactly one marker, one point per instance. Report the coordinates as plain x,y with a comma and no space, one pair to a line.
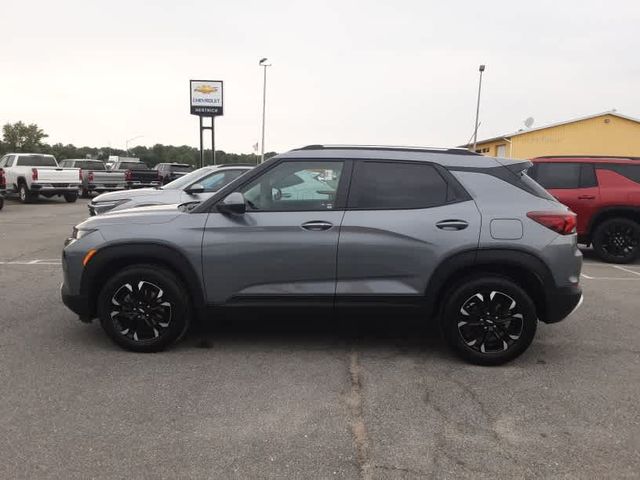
206,97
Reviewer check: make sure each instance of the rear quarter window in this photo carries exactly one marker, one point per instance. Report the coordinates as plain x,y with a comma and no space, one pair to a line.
632,172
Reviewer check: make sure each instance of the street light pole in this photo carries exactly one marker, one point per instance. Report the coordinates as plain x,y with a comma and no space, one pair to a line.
263,64
126,143
475,131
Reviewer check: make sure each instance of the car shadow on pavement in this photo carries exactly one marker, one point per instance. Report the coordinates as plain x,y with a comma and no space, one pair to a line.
368,330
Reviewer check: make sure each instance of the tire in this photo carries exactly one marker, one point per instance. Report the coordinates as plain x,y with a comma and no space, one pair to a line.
24,194
617,240
1,202
71,197
153,328
488,320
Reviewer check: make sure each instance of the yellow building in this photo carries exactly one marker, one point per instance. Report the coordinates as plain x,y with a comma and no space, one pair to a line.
608,133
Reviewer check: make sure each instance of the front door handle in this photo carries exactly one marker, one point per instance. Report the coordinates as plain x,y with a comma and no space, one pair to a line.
587,197
317,225
452,225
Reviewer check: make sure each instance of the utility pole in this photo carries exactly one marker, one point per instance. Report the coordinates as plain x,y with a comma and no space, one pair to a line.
263,64
475,131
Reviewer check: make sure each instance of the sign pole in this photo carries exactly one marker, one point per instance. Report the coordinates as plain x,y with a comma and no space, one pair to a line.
213,138
201,150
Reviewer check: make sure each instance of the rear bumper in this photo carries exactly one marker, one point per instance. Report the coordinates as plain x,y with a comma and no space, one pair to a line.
142,184
561,303
101,187
52,188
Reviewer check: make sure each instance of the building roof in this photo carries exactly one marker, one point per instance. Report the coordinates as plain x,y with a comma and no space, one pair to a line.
573,120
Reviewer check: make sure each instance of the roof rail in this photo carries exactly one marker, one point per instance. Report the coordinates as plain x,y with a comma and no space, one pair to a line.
451,151
621,157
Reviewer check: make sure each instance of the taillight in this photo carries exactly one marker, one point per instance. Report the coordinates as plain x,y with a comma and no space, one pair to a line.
563,223
90,177
80,173
3,180
34,174
127,175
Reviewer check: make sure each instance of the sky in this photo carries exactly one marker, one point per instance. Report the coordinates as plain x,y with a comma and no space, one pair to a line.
401,72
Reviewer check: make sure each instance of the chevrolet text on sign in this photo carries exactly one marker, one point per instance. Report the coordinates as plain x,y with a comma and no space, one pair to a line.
206,97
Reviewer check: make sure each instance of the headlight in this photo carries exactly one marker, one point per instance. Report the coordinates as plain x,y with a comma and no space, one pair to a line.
77,234
102,207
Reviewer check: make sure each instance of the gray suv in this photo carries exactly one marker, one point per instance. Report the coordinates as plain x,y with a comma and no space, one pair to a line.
470,240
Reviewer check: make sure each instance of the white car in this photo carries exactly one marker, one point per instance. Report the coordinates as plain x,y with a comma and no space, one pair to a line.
33,174
192,187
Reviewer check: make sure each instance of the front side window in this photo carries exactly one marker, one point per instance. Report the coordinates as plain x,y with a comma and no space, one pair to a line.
557,175
216,181
295,186
396,185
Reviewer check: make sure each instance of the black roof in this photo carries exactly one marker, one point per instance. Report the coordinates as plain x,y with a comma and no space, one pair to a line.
451,151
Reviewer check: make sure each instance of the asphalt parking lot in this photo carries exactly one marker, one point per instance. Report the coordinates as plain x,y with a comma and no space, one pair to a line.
276,398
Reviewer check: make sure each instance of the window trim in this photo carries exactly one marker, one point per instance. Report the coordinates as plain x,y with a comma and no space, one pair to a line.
460,194
341,191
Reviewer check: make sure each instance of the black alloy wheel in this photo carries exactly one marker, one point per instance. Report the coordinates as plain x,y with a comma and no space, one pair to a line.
617,240
144,308
488,319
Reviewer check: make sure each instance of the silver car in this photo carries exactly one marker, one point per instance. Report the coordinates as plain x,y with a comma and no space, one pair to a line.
470,241
195,186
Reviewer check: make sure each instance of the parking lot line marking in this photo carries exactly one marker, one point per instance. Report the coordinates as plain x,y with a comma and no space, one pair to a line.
33,262
626,269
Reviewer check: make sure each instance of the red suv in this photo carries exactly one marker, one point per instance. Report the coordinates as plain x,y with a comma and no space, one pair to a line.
605,193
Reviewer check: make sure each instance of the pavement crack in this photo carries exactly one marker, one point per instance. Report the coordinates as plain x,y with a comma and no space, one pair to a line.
358,426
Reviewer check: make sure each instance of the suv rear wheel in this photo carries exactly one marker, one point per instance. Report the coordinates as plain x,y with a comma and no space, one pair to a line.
617,240
144,308
489,320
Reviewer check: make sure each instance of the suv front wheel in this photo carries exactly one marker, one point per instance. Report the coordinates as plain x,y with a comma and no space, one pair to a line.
144,308
489,320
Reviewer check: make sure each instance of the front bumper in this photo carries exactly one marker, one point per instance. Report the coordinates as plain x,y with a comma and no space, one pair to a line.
78,304
562,302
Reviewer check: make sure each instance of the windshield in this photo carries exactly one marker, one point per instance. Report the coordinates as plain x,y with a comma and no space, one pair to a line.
133,166
36,161
187,179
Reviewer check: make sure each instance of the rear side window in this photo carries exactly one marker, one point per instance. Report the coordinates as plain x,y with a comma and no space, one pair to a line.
632,172
557,175
395,185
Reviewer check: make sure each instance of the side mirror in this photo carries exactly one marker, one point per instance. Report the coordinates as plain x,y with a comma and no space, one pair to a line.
234,204
195,188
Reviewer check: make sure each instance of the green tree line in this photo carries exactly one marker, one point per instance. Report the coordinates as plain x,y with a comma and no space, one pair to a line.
20,137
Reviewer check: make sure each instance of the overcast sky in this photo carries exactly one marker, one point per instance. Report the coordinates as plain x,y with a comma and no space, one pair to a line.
376,72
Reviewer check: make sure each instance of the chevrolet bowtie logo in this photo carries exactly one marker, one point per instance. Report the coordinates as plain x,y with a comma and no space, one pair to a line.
206,89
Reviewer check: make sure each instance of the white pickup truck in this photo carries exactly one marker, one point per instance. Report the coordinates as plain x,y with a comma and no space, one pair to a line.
33,174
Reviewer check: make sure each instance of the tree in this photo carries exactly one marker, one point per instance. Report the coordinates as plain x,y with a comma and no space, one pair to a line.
19,137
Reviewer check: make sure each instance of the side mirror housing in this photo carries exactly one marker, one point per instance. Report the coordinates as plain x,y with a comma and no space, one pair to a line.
233,204
195,188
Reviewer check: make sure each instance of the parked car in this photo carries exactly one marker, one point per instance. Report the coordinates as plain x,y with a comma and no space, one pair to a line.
95,176
168,172
468,239
33,174
3,187
137,174
605,193
193,187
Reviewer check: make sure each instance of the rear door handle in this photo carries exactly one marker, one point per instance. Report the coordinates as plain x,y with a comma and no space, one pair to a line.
586,197
317,225
452,225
